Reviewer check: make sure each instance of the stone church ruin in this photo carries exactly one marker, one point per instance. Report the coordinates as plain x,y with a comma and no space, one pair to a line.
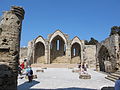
10,32
58,48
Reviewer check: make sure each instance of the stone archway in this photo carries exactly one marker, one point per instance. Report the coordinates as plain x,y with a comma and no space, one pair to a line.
75,53
104,59
39,56
57,50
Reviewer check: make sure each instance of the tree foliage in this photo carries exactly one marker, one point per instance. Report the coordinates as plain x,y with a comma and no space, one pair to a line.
91,42
115,30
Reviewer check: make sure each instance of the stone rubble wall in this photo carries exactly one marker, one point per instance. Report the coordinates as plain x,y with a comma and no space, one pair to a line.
112,45
30,51
89,55
23,53
10,32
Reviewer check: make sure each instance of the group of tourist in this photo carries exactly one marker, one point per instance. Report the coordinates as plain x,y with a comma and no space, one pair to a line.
83,68
25,69
29,73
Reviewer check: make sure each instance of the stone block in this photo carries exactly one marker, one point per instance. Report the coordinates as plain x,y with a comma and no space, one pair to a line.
39,70
75,71
44,68
85,76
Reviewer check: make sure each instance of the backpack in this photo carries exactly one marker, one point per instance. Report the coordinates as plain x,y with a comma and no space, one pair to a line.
31,72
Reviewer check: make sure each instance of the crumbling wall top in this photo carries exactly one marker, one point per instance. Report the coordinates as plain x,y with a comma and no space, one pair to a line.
18,11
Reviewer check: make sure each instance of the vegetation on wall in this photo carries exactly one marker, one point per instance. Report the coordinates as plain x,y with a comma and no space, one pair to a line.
115,30
91,42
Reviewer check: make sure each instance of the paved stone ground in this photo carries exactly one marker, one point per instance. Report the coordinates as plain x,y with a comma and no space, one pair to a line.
64,79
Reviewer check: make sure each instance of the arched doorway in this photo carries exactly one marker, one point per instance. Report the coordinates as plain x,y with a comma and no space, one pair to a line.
104,59
75,53
57,50
39,53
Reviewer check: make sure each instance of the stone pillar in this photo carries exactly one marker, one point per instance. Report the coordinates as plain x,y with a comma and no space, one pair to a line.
82,49
48,60
68,51
97,64
116,47
30,52
10,32
46,53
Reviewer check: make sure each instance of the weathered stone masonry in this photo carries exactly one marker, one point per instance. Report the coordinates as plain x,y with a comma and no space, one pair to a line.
105,56
10,32
59,49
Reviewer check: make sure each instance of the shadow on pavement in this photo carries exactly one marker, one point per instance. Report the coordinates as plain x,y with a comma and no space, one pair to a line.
71,88
27,85
108,88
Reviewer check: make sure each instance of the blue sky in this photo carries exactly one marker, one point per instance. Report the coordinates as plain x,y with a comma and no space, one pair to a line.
82,18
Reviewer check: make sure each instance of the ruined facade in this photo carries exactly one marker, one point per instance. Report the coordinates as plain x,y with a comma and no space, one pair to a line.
23,54
105,56
108,54
10,32
58,48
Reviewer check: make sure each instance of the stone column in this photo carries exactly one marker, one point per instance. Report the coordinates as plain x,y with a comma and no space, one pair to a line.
30,52
48,60
82,53
46,53
68,51
10,32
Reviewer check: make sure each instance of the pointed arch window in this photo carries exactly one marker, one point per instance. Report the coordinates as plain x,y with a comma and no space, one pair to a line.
74,51
58,44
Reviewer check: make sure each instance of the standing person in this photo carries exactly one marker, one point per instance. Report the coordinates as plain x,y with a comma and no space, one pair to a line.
29,73
117,84
19,70
22,65
25,63
79,66
84,66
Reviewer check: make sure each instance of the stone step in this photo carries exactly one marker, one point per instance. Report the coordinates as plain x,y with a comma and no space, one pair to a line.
118,72
62,59
55,65
115,74
75,60
112,76
111,79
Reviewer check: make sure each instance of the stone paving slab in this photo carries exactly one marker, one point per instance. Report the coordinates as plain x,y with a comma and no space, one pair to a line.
64,79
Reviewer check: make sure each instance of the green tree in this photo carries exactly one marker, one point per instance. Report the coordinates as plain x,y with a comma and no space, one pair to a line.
93,41
86,42
115,30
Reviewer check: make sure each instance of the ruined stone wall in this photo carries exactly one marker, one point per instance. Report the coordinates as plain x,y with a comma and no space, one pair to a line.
112,45
10,32
30,51
65,52
23,52
89,55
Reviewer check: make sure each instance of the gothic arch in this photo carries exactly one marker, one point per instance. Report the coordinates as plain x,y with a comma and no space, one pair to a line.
58,47
39,39
39,50
76,46
76,39
58,33
103,57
